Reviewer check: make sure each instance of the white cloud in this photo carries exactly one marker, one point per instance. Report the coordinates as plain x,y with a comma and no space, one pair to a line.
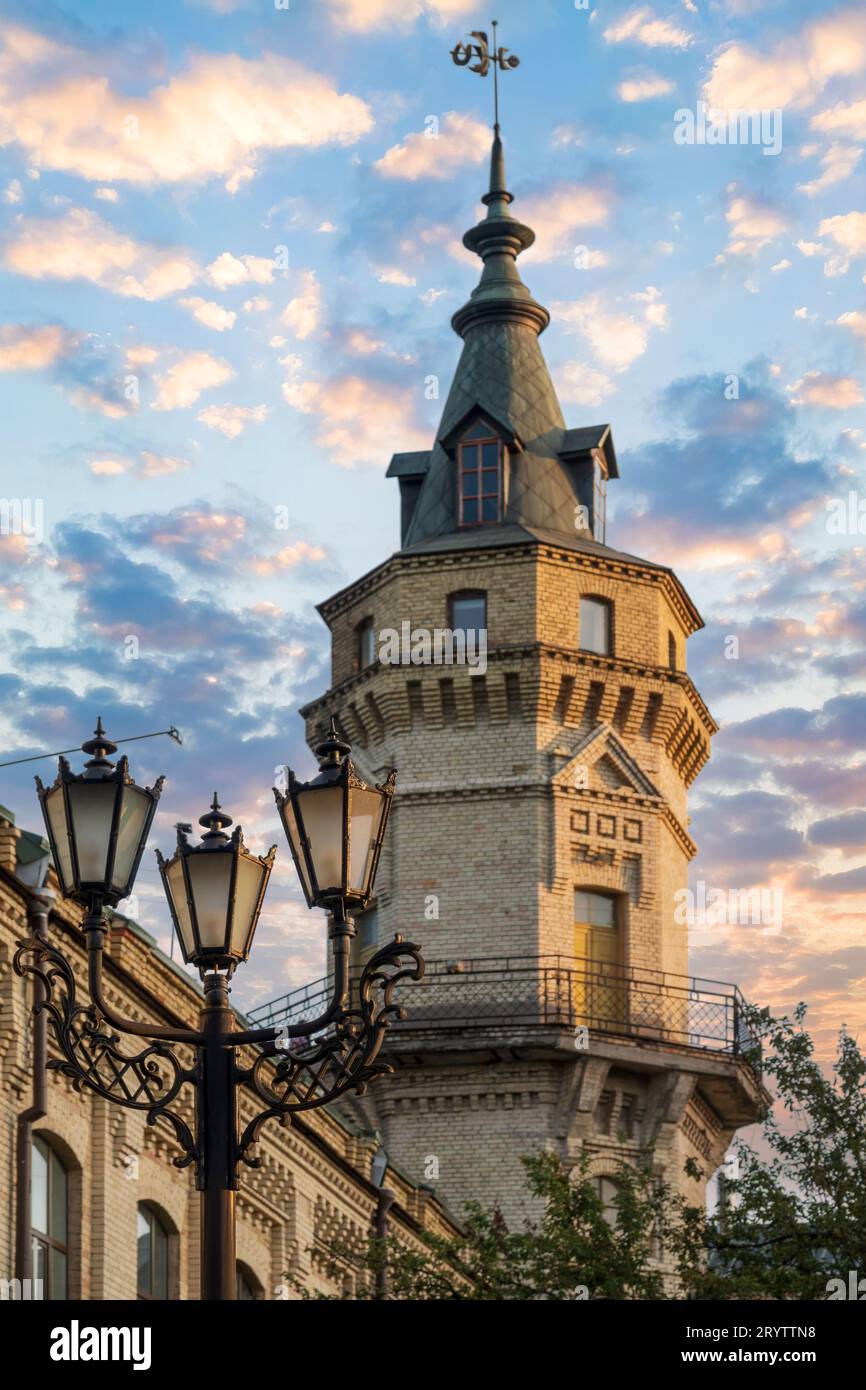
566,135
392,275
363,15
232,420
644,86
461,140
103,467
557,214
795,70
848,230
302,315
288,558
854,321
357,418
810,248
257,305
214,119
656,312
209,313
826,390
837,163
82,246
148,465
106,195
617,338
228,270
845,118
183,382
160,465
752,224
781,265
578,383
13,192
31,349
642,26
359,342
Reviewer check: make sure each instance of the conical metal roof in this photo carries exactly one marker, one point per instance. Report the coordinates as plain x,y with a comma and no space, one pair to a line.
501,373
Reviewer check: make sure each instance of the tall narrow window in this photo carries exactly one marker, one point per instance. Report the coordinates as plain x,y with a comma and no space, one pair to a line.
672,651
49,1222
152,1255
467,611
607,1192
365,644
599,496
595,626
480,462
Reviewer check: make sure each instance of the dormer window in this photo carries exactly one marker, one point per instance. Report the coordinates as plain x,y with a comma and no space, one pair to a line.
480,478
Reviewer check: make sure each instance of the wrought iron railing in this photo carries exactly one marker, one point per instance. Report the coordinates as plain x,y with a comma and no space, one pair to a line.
512,998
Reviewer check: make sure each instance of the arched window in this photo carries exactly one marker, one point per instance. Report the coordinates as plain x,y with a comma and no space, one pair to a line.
365,644
247,1287
49,1222
480,478
672,651
153,1239
596,626
467,611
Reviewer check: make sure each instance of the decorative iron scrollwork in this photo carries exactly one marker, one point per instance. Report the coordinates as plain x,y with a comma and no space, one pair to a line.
343,1060
149,1081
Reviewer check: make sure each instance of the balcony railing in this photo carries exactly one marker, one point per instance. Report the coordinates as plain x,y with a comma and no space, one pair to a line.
509,1001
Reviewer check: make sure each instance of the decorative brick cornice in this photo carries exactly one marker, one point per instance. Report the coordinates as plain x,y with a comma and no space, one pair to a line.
613,566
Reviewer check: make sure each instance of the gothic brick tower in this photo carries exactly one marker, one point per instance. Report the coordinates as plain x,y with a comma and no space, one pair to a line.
540,828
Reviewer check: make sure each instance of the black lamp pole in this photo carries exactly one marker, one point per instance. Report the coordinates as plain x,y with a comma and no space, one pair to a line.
97,824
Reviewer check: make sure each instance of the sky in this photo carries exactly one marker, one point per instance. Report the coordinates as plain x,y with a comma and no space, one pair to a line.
230,249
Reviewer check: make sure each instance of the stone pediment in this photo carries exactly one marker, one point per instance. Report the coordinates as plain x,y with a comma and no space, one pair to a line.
609,764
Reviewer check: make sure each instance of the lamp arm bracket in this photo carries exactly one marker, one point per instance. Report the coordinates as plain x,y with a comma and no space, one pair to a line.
95,932
148,1082
345,1060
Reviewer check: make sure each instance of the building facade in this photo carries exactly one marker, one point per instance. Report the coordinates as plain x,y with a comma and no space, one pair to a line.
528,682
95,1207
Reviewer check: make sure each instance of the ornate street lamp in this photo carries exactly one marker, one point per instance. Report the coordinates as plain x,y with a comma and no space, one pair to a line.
215,892
97,824
335,826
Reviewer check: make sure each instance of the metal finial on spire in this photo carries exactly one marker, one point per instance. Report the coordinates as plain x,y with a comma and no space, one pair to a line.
486,57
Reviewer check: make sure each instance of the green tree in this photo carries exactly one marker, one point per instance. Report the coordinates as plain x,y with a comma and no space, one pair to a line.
794,1217
574,1251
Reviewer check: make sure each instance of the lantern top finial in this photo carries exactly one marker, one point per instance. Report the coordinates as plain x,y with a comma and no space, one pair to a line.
333,749
215,821
99,747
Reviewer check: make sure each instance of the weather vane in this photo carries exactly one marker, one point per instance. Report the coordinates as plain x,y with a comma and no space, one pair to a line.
486,57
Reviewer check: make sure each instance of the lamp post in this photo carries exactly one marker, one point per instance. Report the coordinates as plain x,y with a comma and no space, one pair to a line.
97,823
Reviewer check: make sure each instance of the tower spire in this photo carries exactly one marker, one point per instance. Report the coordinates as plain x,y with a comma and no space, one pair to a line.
499,238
